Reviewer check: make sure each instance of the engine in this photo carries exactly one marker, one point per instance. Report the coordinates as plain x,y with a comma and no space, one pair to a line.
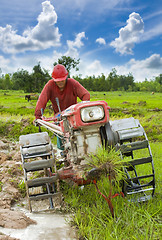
81,125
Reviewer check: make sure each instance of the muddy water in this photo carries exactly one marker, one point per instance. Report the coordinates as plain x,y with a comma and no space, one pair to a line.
50,226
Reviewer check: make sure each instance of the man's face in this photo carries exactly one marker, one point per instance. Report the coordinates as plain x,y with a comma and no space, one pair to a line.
61,84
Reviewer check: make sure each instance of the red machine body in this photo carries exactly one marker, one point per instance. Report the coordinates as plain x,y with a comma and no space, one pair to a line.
74,116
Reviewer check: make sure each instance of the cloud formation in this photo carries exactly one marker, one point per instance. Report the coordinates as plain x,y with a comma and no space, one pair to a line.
95,59
141,69
101,41
154,62
129,35
73,46
44,35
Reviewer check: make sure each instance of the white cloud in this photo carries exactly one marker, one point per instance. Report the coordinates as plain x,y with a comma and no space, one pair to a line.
153,32
94,68
74,45
27,62
44,35
90,68
129,35
13,63
141,69
4,63
101,41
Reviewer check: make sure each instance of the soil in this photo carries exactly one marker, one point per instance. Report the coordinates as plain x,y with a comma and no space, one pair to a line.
11,174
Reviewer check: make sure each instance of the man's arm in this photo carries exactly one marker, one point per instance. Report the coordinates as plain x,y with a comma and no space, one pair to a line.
82,93
42,101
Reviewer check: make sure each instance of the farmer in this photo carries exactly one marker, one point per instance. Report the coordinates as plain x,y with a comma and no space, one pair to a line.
65,89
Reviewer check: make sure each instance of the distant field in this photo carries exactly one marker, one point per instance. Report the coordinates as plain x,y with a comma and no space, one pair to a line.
141,105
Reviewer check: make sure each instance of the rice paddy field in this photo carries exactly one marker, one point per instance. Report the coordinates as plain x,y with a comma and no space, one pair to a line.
91,215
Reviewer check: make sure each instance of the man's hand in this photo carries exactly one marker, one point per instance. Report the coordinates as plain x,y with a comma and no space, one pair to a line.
35,123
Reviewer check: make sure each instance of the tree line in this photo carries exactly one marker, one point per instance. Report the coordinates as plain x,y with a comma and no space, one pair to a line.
115,82
35,81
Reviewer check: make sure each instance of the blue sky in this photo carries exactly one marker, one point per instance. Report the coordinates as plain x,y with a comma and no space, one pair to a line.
105,34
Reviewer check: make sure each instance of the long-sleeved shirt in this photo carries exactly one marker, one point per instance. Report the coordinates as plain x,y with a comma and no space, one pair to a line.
67,97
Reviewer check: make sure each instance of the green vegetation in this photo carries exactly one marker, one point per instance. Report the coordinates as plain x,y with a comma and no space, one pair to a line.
109,162
22,188
91,213
68,62
115,82
17,114
143,106
34,82
1,186
132,220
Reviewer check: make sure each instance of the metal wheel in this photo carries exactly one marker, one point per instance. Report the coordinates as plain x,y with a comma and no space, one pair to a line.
129,137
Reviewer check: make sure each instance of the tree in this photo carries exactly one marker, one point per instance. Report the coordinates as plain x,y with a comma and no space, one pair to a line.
159,79
1,80
2,83
68,62
128,82
101,83
112,80
7,82
39,77
22,81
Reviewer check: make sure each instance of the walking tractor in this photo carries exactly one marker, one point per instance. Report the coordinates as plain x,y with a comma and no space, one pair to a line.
81,130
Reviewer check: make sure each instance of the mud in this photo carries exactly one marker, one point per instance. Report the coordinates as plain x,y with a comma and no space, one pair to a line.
49,226
16,222
14,219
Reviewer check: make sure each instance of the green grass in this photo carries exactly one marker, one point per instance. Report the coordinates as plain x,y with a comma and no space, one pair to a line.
143,106
140,105
1,184
119,99
17,114
22,188
91,214
132,220
13,103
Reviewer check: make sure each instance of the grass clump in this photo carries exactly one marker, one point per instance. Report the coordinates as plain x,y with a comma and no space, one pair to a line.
1,184
22,188
108,161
